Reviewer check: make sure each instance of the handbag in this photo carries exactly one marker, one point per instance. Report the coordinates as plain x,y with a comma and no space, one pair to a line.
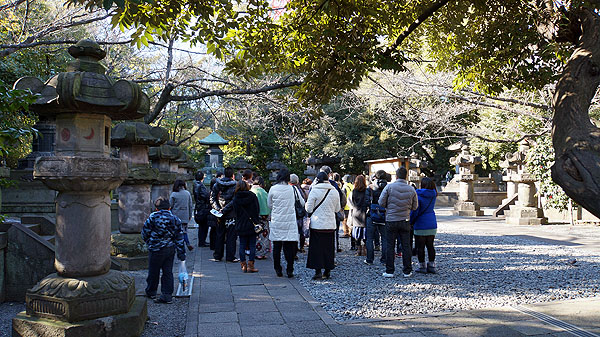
300,211
413,220
258,227
319,204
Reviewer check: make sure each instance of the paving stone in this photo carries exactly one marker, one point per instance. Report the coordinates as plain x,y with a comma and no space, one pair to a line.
210,299
255,306
308,327
218,317
533,327
258,330
220,329
216,307
299,316
269,317
427,323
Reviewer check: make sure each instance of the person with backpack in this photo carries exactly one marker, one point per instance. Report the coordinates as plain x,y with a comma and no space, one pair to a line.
376,217
425,225
222,194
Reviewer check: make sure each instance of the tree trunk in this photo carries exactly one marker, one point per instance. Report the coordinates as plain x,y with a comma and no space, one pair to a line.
575,139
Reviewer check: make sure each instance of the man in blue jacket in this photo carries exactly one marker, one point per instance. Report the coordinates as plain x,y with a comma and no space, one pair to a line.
163,234
399,199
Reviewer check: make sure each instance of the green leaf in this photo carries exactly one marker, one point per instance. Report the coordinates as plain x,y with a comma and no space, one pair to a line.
107,4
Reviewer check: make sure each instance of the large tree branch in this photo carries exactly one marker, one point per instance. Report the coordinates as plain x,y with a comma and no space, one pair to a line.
575,139
236,91
413,26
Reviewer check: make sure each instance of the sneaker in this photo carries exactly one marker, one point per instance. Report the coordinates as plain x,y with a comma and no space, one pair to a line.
161,300
368,263
407,275
377,248
388,275
190,247
431,269
317,276
215,260
326,275
235,260
151,296
398,255
421,270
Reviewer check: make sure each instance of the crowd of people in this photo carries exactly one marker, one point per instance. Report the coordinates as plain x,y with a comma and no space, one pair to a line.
379,215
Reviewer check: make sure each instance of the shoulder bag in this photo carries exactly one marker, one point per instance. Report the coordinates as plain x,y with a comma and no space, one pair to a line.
319,204
300,211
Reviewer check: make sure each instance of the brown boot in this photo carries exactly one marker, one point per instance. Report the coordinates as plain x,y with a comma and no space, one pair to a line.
358,251
244,266
251,268
363,250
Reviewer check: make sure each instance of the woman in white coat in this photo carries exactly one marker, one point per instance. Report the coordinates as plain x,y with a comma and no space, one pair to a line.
283,227
323,202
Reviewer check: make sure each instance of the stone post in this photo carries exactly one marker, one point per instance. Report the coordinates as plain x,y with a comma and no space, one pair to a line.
84,297
466,205
414,172
510,164
135,204
525,212
242,165
213,159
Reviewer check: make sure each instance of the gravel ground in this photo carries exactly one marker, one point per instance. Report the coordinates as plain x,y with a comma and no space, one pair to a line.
9,310
474,271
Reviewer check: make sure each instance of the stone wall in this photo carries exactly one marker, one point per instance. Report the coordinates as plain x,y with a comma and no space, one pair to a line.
484,199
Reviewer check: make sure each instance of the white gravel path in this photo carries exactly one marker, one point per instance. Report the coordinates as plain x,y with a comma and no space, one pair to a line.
475,270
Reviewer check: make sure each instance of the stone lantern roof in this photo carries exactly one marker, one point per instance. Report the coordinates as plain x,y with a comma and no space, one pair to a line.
136,133
242,164
275,164
86,88
213,139
166,151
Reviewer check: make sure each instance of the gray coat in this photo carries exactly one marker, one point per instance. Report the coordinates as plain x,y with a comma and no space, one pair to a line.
181,205
399,199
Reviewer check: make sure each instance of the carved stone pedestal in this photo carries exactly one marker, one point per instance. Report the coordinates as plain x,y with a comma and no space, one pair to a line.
122,325
467,208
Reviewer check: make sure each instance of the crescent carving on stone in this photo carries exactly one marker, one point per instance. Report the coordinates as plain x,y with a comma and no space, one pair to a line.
91,135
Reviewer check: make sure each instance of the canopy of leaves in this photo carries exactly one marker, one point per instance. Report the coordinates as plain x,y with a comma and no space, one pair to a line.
490,44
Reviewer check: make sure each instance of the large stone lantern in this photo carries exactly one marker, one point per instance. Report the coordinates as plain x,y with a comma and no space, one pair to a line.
84,297
163,158
525,211
466,162
275,166
135,205
213,159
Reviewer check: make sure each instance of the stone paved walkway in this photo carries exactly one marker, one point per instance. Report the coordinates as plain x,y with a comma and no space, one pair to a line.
227,302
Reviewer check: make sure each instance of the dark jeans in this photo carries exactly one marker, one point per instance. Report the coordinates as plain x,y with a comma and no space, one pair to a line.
337,235
225,237
372,235
185,235
423,241
247,241
289,251
379,231
399,229
202,230
157,261
213,237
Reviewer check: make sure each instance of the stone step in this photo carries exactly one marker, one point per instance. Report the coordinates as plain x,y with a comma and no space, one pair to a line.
49,238
36,228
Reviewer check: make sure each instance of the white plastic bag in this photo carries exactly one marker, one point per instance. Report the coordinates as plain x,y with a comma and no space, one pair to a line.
183,275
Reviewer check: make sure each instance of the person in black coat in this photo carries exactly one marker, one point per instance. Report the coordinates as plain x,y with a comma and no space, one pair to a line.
221,194
201,208
245,208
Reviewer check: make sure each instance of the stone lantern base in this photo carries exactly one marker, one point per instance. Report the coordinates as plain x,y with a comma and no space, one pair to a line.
467,208
522,215
130,250
128,324
85,306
